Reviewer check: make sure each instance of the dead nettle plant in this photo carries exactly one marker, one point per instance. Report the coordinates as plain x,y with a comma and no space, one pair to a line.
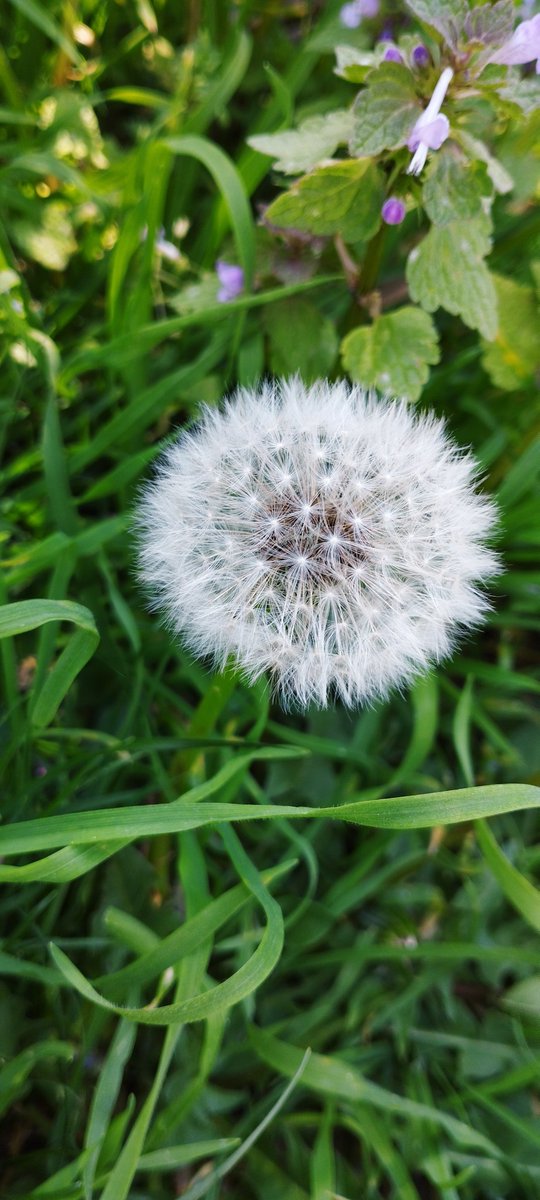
433,102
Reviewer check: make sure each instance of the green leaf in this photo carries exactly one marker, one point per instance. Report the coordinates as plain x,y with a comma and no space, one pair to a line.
519,891
230,184
385,111
523,1000
31,614
455,187
322,1166
521,95
394,353
301,339
317,138
490,24
446,18
353,64
184,940
62,866
500,178
330,1076
223,995
514,355
171,1157
344,198
403,812
13,1074
38,15
447,271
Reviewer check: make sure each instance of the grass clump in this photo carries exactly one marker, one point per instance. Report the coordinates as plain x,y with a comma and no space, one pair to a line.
248,953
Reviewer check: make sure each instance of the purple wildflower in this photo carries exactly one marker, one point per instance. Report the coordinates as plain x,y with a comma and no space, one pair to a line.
432,127
392,54
351,15
231,278
522,47
393,211
421,56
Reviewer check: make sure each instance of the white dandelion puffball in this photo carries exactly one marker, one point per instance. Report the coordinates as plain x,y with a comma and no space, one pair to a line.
320,534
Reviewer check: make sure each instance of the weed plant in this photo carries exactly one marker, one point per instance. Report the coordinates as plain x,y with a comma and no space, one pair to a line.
251,954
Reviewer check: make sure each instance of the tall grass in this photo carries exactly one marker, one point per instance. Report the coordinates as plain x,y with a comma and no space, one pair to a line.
244,954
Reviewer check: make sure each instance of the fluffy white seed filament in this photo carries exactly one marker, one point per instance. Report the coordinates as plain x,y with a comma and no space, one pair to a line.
329,538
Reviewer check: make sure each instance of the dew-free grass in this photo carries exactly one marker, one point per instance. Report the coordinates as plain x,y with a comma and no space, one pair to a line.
249,953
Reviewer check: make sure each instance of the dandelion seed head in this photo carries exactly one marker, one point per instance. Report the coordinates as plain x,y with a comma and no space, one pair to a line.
342,558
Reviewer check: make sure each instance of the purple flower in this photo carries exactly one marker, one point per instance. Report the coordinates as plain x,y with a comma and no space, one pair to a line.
231,279
421,56
393,211
392,54
432,127
522,47
351,15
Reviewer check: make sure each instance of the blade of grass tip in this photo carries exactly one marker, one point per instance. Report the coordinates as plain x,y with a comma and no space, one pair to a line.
25,615
201,1187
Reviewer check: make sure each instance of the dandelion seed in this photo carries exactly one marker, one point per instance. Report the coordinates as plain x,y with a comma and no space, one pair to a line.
342,604
432,127
523,47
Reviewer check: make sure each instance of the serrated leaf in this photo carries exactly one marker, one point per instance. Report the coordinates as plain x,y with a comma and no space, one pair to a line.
455,187
301,339
446,18
521,94
344,198
447,271
502,181
353,64
514,356
490,24
385,111
317,138
393,354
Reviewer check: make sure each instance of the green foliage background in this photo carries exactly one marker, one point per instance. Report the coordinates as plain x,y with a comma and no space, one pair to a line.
239,884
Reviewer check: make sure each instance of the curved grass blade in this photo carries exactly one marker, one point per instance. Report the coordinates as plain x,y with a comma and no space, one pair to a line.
402,812
25,615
